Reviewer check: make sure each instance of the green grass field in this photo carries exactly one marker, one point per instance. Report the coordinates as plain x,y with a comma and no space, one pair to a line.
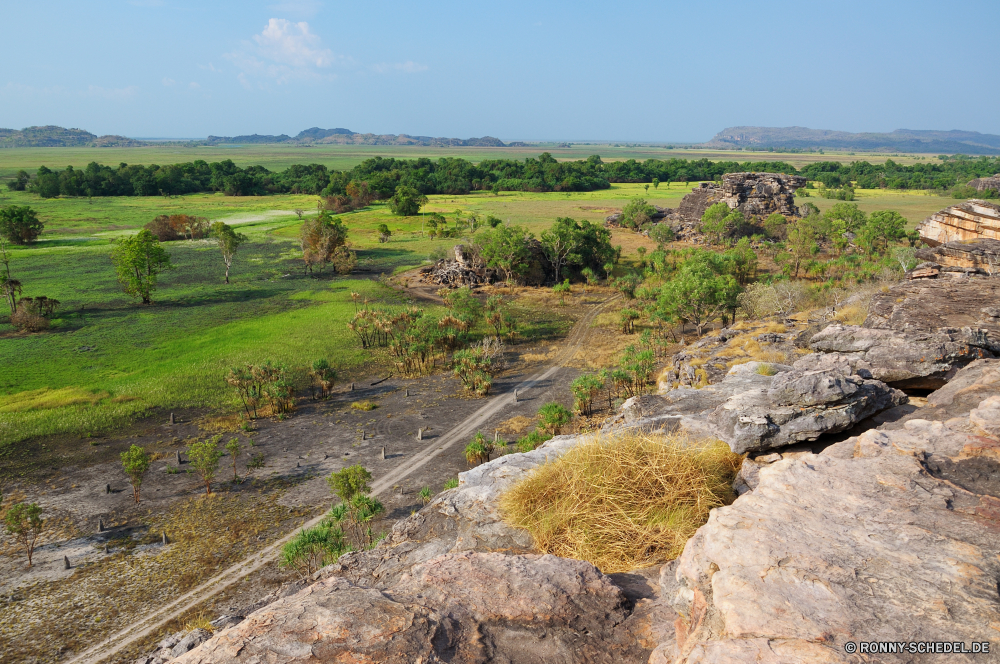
108,359
279,157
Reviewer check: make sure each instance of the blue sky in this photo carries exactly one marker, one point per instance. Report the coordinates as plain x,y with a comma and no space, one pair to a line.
656,71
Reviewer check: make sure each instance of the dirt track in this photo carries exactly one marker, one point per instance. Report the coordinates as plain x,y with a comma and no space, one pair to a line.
408,463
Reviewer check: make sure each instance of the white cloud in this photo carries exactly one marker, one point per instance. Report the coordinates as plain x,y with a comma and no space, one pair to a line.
408,67
168,82
284,51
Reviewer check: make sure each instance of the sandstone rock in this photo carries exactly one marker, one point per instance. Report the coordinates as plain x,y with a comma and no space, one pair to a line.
910,359
860,542
462,519
986,417
983,184
193,638
799,406
972,220
931,305
461,607
980,256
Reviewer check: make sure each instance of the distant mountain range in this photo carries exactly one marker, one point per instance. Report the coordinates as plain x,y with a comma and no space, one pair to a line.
901,140
341,136
57,137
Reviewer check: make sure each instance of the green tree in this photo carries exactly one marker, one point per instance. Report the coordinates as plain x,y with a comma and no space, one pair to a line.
315,548
349,482
553,416
234,448
505,248
636,213
204,457
10,288
699,292
802,244
136,462
20,181
559,243
882,228
713,222
775,226
662,234
656,183
20,225
384,233
24,523
320,238
407,201
229,242
585,388
561,290
139,259
741,261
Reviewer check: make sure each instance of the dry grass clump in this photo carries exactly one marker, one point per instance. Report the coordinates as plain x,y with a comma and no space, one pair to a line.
623,502
852,314
364,405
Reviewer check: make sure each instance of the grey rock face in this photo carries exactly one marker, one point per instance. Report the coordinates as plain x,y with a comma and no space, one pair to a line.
909,358
193,638
888,536
800,406
462,607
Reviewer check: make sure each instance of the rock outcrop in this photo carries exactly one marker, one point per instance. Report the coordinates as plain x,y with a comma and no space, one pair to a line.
753,194
931,305
453,583
818,395
890,536
972,220
985,184
458,607
980,256
907,360
753,412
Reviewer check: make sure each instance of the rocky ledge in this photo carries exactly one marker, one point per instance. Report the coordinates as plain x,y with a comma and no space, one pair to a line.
890,536
972,220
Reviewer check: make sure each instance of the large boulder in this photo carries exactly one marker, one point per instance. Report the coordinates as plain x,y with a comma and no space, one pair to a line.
930,305
986,184
892,536
461,607
972,220
801,405
910,358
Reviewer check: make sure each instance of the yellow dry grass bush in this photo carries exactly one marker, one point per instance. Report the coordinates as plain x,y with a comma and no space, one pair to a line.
771,355
201,620
774,328
697,361
625,501
852,314
517,424
364,405
765,369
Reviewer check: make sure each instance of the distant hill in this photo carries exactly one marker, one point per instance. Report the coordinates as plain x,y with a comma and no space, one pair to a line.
341,136
51,136
901,140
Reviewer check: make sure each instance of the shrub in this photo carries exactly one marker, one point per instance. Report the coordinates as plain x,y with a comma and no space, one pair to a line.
662,234
532,441
136,462
20,225
624,502
425,495
314,548
364,405
27,321
451,484
204,457
24,522
344,260
553,416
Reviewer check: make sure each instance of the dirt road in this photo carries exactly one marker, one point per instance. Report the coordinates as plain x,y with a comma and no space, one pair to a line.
411,463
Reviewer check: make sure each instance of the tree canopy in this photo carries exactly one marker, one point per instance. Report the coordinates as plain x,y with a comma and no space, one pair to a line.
139,259
20,224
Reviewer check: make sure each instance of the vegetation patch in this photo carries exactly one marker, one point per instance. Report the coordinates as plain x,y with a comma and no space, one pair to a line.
623,502
364,405
46,398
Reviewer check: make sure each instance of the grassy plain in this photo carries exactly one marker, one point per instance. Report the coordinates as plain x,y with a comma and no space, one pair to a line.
107,359
279,157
